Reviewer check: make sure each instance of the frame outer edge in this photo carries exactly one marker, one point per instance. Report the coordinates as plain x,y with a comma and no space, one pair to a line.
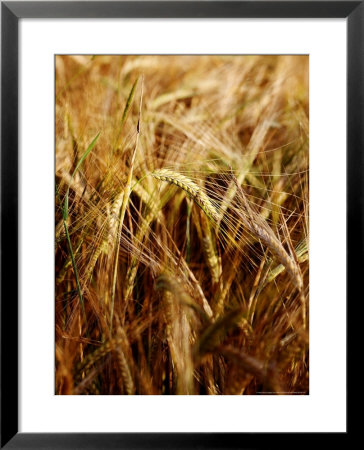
355,167
183,9
9,225
9,194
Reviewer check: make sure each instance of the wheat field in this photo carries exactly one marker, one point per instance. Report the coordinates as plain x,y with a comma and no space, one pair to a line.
181,225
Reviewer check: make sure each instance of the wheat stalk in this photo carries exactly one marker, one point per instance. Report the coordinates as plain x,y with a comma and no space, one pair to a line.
109,238
126,195
133,267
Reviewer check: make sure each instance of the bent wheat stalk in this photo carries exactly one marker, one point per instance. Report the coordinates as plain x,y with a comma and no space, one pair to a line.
258,227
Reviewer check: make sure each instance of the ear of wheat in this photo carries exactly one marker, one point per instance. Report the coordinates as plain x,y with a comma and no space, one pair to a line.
192,189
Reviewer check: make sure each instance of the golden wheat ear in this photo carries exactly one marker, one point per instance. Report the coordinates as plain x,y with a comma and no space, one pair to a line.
193,190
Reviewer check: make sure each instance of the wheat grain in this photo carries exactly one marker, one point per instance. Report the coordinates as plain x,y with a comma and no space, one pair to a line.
123,364
114,220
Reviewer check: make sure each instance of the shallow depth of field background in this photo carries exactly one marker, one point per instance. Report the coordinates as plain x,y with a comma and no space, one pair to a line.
154,295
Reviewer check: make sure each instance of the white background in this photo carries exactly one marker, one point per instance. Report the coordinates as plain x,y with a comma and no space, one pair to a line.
324,408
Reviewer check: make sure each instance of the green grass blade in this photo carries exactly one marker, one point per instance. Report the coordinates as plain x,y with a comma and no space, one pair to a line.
83,157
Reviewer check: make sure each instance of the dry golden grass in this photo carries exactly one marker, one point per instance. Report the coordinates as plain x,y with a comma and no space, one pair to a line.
182,229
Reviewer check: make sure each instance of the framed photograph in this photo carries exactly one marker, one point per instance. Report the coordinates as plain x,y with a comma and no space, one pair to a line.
181,203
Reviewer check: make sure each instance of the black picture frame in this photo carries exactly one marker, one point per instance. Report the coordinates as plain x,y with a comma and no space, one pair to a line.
11,12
